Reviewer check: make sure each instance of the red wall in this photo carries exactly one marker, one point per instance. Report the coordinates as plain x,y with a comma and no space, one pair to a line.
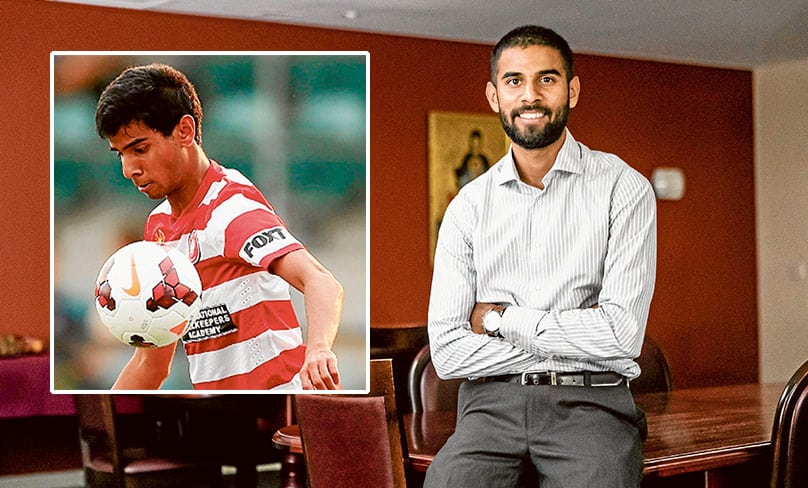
704,313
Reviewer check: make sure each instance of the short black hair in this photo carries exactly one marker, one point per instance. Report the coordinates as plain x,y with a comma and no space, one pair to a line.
532,35
155,94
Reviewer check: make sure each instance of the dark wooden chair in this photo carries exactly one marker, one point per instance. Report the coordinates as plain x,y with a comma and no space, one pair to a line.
426,390
109,461
655,375
790,433
354,440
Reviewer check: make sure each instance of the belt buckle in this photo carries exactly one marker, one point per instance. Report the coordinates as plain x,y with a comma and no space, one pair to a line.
553,377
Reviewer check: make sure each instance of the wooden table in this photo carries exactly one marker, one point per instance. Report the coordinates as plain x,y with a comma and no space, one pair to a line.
705,429
702,431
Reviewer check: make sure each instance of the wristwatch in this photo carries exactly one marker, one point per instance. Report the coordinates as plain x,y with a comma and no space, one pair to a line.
492,320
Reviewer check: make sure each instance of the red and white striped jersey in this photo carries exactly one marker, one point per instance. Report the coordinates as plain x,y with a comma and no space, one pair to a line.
246,335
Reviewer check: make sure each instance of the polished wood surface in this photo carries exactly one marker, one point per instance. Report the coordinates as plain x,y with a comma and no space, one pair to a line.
689,430
399,342
397,325
704,428
392,338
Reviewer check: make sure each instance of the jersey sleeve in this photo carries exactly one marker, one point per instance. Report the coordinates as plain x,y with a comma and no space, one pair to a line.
258,236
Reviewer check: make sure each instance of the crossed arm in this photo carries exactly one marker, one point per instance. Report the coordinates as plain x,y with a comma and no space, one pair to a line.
574,331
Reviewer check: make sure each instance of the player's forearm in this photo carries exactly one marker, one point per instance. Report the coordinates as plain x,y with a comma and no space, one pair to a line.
141,374
323,301
323,297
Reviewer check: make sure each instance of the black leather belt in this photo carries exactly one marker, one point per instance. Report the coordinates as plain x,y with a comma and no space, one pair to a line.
583,378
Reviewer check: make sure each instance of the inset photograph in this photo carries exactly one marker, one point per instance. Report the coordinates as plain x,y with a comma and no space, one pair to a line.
209,221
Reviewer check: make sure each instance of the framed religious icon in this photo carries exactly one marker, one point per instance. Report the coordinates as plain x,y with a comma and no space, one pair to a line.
461,147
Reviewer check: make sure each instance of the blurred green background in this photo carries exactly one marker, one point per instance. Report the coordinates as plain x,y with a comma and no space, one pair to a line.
294,123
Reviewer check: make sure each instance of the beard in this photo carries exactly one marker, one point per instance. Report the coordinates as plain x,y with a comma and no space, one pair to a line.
534,137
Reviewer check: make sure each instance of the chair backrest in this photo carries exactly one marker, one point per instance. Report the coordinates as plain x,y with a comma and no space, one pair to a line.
427,391
354,440
655,375
97,431
790,433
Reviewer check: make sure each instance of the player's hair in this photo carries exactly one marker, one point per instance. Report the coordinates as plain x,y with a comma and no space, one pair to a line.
155,94
532,35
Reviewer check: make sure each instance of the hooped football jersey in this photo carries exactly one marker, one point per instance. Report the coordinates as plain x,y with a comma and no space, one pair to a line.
246,335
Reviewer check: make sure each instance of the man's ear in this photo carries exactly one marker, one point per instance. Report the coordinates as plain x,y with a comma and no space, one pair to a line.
575,91
185,130
491,95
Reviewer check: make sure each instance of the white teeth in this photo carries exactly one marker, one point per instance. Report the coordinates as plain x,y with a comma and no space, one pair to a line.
531,115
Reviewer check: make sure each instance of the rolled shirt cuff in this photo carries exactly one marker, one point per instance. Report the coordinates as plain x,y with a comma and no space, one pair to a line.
520,326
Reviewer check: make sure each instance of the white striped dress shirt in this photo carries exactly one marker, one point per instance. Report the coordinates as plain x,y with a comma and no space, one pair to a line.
589,237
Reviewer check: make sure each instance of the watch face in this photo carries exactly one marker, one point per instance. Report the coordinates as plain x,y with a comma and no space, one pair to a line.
491,321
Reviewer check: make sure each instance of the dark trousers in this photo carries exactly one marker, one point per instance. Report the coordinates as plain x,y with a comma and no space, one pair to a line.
509,435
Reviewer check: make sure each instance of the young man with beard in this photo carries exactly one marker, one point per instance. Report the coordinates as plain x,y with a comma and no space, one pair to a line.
246,257
544,272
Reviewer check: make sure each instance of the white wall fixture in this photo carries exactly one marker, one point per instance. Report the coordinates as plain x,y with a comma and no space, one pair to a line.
668,183
799,270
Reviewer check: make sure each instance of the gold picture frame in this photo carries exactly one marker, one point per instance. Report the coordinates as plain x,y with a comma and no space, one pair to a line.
460,145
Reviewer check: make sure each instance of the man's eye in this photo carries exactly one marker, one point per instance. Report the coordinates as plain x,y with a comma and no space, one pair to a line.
512,82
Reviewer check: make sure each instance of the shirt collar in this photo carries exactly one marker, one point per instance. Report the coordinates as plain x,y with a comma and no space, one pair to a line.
569,159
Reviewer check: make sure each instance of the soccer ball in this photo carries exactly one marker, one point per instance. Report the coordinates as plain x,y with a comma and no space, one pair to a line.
147,293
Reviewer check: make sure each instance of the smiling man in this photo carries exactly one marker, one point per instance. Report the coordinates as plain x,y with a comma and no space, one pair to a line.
246,336
543,278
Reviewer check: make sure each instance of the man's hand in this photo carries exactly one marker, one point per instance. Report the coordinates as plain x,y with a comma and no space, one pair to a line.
319,371
477,313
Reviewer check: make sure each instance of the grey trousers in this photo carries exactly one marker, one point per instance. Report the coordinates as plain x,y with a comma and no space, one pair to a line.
509,435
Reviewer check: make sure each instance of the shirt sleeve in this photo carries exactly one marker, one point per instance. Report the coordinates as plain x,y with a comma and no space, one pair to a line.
457,352
616,328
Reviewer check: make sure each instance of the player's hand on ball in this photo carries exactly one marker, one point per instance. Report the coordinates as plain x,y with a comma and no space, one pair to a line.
320,370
